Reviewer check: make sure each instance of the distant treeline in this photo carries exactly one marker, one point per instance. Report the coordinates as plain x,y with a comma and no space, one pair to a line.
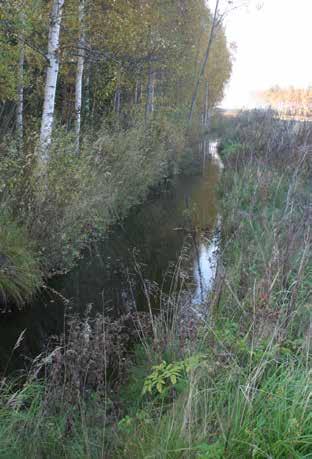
289,101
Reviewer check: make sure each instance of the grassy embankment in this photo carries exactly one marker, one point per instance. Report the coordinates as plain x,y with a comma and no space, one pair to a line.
237,385
45,223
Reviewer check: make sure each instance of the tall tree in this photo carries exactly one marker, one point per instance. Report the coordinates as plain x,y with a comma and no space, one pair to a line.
214,24
79,73
206,105
51,79
107,47
150,90
20,89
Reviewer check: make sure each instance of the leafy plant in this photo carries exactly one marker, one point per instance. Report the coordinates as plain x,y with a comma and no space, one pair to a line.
231,148
210,451
166,375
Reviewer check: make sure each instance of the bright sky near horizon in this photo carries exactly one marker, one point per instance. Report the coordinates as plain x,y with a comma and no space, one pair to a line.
273,48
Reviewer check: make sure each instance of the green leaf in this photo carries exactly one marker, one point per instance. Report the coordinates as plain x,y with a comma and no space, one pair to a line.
173,379
159,387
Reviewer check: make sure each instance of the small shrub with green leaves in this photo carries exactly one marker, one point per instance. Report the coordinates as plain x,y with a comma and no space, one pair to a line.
167,375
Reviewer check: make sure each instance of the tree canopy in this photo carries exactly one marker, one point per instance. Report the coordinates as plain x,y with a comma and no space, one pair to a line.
136,53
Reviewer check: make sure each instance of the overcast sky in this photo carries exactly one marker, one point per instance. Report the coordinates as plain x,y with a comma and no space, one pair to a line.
274,46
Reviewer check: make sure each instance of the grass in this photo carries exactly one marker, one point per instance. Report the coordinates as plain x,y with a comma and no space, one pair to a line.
20,274
250,396
261,413
238,384
261,410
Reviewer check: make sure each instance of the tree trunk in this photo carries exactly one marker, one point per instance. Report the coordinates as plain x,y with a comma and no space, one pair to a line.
203,67
20,97
206,110
87,91
150,91
51,80
79,74
117,101
137,94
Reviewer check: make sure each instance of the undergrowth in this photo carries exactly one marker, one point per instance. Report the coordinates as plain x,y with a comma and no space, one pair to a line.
78,198
236,384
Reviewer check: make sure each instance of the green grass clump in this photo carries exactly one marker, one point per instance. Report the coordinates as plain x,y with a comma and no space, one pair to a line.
20,275
264,412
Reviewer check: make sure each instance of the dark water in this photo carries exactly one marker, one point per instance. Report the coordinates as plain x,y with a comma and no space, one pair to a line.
147,246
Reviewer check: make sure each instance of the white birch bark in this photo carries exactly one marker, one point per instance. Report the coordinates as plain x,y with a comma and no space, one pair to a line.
51,80
87,90
136,94
79,74
206,113
20,96
117,101
150,91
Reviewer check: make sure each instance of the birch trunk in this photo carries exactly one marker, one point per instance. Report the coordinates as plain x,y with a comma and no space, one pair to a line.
79,74
150,91
20,97
87,91
206,112
51,80
203,67
137,94
117,101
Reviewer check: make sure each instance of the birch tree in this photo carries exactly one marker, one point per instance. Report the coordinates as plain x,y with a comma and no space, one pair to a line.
20,92
51,79
117,101
157,47
150,88
206,108
79,74
138,92
221,10
214,24
150,91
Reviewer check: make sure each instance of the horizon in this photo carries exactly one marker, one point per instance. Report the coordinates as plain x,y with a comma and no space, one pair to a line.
276,58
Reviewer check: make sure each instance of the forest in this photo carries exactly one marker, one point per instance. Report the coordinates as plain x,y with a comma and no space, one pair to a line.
155,248
94,95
